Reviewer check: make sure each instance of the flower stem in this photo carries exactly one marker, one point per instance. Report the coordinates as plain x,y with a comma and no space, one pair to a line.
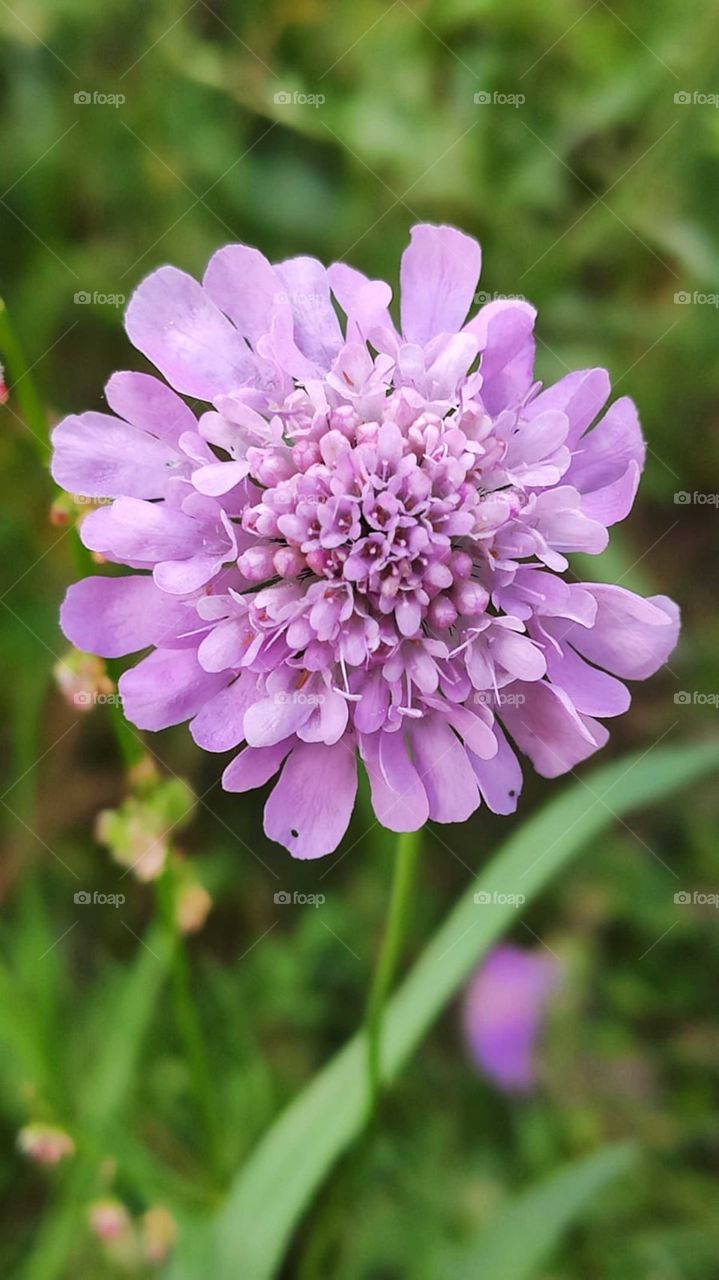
22,385
187,1021
403,879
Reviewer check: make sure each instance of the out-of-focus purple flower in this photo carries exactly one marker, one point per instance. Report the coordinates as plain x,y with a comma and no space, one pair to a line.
359,546
503,1012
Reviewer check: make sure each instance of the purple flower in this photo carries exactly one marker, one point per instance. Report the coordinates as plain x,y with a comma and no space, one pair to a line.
503,1011
359,545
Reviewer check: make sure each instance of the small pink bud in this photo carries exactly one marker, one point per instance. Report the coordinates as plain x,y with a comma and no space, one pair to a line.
470,598
83,680
461,564
61,511
331,446
367,432
4,393
271,468
442,613
289,562
305,453
108,1219
45,1143
317,560
256,563
437,575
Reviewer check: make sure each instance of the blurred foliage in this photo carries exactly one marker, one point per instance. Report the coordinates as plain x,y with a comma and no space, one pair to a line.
597,198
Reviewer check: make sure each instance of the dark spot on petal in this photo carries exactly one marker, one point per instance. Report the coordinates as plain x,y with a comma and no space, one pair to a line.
512,793
294,833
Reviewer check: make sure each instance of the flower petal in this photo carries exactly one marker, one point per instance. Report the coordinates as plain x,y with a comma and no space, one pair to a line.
310,807
316,327
504,330
254,766
101,457
143,532
500,779
438,277
631,637
548,729
219,725
243,284
173,321
150,404
447,776
115,616
398,796
581,395
166,688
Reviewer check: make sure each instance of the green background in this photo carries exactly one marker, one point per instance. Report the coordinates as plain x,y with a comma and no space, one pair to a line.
595,194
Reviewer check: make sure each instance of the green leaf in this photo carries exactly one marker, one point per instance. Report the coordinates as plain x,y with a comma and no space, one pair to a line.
110,1080
521,1236
112,1075
272,1191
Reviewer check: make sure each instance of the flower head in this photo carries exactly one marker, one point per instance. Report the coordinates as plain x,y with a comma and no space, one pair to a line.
358,547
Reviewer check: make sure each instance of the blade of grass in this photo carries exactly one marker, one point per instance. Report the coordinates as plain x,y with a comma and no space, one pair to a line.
520,1238
109,1084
